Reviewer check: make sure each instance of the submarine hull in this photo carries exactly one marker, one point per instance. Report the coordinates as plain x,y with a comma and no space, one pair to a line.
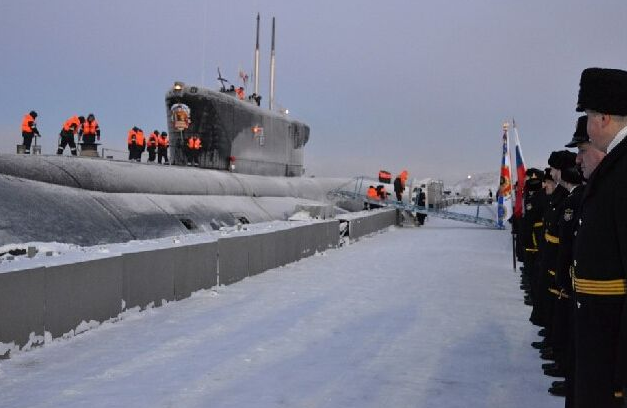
90,201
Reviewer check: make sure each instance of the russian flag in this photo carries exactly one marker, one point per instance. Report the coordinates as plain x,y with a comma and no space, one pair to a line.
520,176
504,197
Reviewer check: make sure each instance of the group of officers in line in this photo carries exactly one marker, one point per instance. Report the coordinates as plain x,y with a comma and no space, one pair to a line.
572,239
88,131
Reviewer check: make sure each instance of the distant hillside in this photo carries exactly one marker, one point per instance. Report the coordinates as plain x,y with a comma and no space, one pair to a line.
478,185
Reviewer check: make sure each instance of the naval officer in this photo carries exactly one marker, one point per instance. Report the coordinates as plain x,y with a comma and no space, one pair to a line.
599,269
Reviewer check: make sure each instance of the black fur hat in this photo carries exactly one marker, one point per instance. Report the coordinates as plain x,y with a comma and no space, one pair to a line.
581,132
533,184
567,160
554,159
534,173
603,90
547,174
572,175
562,159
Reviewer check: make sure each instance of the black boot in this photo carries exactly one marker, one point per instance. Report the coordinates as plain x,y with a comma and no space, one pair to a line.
558,389
555,372
547,354
539,344
550,366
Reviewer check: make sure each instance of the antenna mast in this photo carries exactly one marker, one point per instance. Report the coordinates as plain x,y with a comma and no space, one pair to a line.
272,69
257,59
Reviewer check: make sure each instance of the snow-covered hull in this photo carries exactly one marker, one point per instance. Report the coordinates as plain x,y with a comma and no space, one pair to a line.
90,201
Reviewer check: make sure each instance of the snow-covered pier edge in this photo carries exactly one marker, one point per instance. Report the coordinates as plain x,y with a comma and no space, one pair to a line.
43,299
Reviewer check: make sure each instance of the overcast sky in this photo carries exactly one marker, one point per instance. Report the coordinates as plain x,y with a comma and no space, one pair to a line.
383,84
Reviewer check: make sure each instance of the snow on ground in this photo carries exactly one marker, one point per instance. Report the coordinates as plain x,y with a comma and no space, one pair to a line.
411,317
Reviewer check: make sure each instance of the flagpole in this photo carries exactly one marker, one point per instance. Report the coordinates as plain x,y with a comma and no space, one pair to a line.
520,179
509,153
511,163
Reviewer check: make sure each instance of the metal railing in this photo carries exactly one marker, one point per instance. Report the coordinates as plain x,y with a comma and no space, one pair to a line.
355,194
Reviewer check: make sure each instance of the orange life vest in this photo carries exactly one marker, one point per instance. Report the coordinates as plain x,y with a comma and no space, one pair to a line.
28,123
193,143
372,193
70,122
163,141
152,140
140,137
403,176
137,137
89,128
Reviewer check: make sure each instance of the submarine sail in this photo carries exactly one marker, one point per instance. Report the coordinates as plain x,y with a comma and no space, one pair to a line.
236,133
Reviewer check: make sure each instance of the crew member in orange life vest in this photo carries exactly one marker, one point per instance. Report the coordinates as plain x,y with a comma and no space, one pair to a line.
163,142
66,137
29,129
193,150
152,146
135,143
372,195
381,192
90,130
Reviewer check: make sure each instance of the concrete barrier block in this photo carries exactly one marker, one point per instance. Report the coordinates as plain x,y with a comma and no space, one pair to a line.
200,270
332,234
328,235
294,244
370,222
387,218
309,239
22,301
233,259
262,252
255,250
355,228
149,275
269,249
80,292
281,252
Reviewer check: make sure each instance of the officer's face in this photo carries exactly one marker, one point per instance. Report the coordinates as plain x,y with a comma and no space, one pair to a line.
556,174
594,125
588,158
597,122
549,186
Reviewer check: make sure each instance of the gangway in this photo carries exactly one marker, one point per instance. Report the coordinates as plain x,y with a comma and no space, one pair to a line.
356,194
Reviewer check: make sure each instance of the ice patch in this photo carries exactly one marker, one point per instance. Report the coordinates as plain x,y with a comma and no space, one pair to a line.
8,347
300,216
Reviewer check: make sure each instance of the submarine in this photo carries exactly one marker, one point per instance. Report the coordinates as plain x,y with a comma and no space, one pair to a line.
251,168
